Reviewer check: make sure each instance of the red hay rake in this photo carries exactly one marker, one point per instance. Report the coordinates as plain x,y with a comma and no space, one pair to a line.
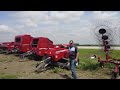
105,37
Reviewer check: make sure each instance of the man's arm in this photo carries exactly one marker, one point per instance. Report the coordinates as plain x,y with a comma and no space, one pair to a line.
77,54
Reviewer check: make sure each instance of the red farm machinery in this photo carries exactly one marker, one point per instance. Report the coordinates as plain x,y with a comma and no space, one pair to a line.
22,43
42,49
55,57
6,47
38,47
106,37
47,53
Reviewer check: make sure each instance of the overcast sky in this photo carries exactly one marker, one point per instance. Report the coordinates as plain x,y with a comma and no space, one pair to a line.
59,26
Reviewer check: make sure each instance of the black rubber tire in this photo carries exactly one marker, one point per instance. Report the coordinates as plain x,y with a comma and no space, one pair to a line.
0,51
36,58
7,52
114,75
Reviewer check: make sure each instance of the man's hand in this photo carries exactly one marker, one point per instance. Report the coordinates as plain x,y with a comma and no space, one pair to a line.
76,59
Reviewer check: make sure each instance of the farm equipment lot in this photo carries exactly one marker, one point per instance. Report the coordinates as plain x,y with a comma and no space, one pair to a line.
11,68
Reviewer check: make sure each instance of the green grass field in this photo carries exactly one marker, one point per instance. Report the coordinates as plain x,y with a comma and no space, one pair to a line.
92,64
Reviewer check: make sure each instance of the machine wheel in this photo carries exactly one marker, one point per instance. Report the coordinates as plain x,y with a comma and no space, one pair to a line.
101,64
40,58
7,52
114,75
0,51
36,57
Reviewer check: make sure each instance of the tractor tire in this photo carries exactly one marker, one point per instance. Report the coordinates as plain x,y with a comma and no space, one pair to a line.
114,75
101,64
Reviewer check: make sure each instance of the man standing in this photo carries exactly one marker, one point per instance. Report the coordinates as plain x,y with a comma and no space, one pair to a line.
73,56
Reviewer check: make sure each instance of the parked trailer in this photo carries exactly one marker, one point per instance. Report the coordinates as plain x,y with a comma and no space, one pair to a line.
22,43
6,47
57,56
39,45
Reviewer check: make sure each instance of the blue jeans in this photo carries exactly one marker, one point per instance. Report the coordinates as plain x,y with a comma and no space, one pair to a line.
72,67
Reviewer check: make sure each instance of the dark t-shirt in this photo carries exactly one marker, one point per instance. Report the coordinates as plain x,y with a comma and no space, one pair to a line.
73,50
